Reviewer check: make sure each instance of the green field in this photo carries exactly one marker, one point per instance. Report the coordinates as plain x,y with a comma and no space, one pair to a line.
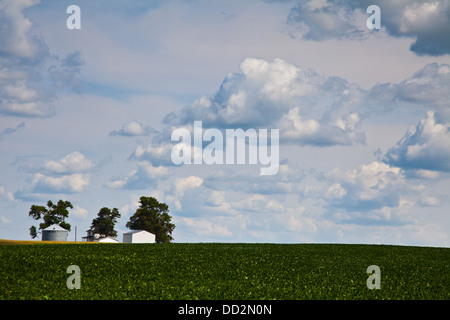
223,271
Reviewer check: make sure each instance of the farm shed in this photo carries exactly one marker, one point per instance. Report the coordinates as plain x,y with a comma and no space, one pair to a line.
107,240
138,236
93,236
54,233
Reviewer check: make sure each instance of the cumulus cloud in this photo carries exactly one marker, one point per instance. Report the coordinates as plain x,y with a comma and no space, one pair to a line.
374,193
74,162
15,29
26,64
6,194
370,186
133,129
425,146
79,212
258,203
430,87
204,227
158,155
62,184
183,192
153,161
183,184
427,22
321,20
145,176
70,174
308,108
344,130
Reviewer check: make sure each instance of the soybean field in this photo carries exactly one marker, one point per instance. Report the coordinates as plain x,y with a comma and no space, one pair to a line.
222,271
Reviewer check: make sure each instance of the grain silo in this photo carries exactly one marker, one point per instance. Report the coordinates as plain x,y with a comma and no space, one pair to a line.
54,233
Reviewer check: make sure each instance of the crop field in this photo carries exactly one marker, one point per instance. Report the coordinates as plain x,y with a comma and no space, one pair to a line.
222,271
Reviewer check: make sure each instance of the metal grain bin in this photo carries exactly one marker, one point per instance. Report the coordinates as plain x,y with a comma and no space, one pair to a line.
54,233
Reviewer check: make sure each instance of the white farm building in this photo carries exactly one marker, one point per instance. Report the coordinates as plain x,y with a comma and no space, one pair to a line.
92,236
107,240
138,236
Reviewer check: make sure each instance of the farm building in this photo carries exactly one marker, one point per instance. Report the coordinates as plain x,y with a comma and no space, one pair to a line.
54,233
107,240
92,236
138,236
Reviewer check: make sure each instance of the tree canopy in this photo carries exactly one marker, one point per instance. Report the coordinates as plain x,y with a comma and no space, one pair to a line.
153,216
55,214
105,221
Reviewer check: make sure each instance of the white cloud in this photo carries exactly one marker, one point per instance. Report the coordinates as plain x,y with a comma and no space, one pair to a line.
427,22
258,203
426,147
297,222
204,227
424,174
132,129
185,194
343,131
71,174
321,20
308,108
6,194
26,109
129,209
15,37
216,199
429,201
428,87
144,177
188,183
374,192
72,183
26,66
5,220
71,163
157,155
79,213
335,191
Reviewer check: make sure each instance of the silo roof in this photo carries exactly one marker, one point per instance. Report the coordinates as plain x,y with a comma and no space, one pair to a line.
55,227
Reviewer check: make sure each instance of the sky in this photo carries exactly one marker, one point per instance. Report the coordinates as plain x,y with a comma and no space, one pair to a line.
86,115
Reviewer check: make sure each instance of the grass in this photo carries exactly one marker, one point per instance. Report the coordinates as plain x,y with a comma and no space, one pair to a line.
222,271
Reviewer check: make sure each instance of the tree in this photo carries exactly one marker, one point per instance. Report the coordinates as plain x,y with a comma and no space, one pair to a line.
153,217
105,221
55,214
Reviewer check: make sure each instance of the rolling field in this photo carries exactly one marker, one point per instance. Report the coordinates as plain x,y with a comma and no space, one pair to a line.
222,271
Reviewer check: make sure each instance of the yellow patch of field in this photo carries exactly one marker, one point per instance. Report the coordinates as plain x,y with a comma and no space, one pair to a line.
19,242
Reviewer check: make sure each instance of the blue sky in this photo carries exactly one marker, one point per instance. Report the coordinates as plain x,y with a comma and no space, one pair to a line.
364,116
